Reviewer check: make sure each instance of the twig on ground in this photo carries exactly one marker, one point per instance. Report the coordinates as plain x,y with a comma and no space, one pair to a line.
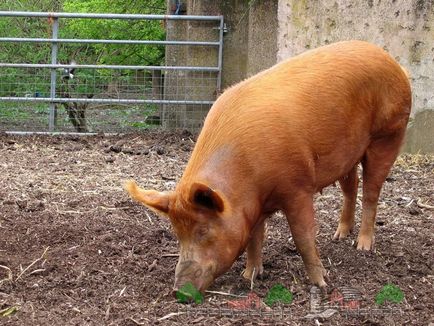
149,217
114,208
33,263
170,255
172,314
136,322
72,212
9,278
422,205
152,266
225,293
37,271
409,204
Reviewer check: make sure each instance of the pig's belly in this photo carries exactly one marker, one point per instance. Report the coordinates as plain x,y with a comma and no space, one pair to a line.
330,167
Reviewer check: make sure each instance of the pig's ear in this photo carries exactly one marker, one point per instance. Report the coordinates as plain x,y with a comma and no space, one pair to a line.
204,196
157,201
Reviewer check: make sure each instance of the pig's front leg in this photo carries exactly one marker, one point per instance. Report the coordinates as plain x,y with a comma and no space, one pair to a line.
254,253
300,215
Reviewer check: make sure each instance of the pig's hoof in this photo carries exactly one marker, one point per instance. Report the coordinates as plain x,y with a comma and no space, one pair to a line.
365,243
317,275
342,232
253,272
320,283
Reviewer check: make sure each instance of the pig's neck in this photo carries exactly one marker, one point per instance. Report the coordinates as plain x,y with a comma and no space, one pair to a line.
222,169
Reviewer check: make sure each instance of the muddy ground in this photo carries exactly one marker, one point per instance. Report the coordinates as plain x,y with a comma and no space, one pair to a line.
75,250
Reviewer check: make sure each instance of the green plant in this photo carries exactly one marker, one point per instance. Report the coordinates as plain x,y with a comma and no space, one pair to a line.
189,293
389,292
278,293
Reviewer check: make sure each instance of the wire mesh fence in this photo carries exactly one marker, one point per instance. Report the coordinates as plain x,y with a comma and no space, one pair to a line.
68,95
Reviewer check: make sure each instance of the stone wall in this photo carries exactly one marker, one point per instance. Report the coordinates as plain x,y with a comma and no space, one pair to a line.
263,32
404,28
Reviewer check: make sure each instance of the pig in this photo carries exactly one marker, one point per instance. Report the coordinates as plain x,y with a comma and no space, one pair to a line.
274,140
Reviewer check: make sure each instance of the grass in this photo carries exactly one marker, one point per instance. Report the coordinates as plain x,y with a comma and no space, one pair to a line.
24,117
14,114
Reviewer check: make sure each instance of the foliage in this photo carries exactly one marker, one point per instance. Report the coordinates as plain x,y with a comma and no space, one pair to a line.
278,293
15,81
84,28
117,54
26,27
116,29
389,292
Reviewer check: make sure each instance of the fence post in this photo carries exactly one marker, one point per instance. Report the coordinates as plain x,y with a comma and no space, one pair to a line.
220,56
54,47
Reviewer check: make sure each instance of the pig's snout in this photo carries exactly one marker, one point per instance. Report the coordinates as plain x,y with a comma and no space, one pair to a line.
192,276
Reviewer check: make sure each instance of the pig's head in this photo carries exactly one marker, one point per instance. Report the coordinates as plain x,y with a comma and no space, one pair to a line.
210,237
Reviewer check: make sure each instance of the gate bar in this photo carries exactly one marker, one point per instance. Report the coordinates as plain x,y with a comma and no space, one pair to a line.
92,41
102,100
59,66
106,16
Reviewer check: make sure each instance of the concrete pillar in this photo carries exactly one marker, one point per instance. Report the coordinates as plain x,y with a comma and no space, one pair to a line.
201,86
262,35
250,45
174,81
235,46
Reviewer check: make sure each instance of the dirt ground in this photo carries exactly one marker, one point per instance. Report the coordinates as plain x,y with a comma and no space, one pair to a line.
75,250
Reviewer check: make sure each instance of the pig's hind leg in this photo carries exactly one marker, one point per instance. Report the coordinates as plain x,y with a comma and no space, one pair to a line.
377,162
254,253
349,185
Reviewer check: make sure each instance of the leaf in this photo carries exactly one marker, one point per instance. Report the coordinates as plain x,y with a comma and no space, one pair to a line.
8,311
189,293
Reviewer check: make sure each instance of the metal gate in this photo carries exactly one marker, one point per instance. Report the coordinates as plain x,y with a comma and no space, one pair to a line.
52,95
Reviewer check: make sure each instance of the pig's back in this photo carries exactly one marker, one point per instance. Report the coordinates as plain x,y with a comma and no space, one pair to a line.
323,103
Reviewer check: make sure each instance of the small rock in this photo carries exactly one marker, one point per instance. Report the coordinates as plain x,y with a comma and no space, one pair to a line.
186,133
115,149
36,206
120,143
160,150
398,253
73,138
21,203
128,151
109,159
